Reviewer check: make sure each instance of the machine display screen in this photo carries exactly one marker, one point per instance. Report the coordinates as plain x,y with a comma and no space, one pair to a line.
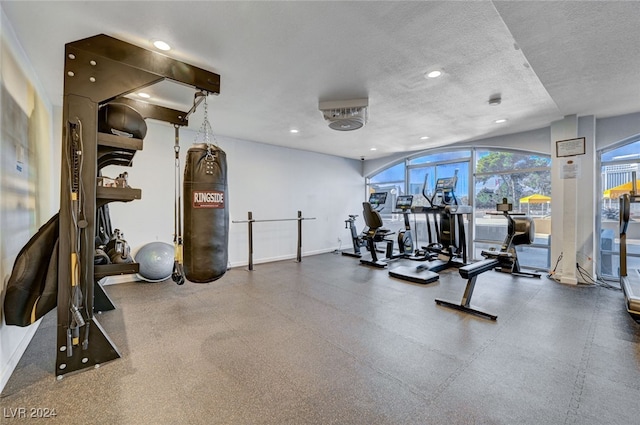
404,202
446,183
378,198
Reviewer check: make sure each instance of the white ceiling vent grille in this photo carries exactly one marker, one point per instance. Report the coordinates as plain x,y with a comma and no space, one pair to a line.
345,115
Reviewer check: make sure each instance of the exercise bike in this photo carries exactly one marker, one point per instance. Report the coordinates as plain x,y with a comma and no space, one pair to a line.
359,240
375,233
520,231
405,238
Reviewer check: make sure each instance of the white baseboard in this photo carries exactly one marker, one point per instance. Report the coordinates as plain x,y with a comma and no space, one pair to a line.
8,368
245,263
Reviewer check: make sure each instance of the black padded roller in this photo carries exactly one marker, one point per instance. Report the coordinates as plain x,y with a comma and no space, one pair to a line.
206,213
525,231
121,120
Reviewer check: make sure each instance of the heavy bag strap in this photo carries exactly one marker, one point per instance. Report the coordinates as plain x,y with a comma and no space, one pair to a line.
210,155
177,275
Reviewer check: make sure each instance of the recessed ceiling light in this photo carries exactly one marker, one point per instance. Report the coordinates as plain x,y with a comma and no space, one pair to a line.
293,131
500,121
433,74
373,149
424,137
162,45
144,95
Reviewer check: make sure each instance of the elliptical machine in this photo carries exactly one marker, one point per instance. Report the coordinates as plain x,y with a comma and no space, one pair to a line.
450,247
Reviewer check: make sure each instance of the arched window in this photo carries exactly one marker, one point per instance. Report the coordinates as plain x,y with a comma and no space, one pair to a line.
524,178
391,181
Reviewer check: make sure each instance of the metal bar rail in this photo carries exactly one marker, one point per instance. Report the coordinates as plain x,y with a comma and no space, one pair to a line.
250,222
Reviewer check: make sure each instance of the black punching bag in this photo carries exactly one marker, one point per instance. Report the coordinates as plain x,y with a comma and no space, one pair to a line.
206,213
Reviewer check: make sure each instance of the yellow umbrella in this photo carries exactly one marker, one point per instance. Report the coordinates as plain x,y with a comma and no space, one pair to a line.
616,192
536,198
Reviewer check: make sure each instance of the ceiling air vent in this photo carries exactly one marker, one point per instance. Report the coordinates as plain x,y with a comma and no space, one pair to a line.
345,115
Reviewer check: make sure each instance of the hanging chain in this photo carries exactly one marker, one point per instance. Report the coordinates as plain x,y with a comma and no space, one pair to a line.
205,129
207,133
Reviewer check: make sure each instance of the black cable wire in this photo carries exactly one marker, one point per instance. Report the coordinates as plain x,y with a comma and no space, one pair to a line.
74,162
67,158
591,281
81,208
550,275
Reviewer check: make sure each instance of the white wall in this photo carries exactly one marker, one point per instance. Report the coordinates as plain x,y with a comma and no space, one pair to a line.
271,182
27,170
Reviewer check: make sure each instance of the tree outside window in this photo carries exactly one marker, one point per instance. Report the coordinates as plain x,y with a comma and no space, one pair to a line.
511,175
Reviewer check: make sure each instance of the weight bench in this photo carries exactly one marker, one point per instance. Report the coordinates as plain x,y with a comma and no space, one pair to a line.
471,273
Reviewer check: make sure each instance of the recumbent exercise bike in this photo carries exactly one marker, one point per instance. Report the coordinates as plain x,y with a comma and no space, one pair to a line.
377,201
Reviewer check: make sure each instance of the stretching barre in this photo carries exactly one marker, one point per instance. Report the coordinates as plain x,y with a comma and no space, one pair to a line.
250,222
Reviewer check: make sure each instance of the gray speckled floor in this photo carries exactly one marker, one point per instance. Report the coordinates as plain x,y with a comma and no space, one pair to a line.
329,341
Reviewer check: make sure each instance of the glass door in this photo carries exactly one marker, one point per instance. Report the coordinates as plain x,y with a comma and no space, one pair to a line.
617,167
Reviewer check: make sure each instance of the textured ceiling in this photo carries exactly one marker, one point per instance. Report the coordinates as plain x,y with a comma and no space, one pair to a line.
277,60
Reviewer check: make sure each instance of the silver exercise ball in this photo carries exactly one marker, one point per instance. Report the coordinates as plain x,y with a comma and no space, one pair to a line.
155,260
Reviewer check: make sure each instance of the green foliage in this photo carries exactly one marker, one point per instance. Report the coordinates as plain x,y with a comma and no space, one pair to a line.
486,199
515,185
